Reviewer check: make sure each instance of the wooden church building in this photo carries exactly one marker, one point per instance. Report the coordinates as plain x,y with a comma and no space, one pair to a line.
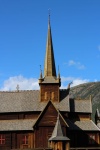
48,118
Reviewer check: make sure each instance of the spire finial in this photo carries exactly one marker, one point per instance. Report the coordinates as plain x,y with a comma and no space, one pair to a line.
49,14
40,72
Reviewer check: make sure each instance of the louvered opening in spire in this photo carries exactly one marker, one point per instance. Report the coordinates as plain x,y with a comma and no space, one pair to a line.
49,67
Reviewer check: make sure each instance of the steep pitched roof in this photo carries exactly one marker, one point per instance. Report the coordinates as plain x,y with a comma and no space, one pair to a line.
49,68
24,101
57,134
20,101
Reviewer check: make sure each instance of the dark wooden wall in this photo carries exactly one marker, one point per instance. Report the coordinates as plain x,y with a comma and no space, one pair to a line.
21,115
81,139
39,139
13,140
46,125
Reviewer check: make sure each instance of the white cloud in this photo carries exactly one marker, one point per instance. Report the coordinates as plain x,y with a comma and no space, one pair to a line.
71,62
75,81
76,64
78,81
32,83
24,83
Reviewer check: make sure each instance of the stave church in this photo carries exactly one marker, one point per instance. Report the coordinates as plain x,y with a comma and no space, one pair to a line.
48,118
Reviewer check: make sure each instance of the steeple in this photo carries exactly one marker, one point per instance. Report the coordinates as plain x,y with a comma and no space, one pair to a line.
49,83
57,134
49,67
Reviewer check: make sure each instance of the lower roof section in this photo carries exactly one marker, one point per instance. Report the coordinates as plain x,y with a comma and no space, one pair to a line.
59,138
28,124
85,125
17,125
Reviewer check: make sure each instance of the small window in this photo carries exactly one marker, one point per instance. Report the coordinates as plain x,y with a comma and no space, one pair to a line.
2,139
52,95
45,96
25,139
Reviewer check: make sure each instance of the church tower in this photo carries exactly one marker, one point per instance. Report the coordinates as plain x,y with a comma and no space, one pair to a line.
50,83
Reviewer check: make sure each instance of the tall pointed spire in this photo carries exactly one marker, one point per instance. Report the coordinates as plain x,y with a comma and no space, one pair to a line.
49,67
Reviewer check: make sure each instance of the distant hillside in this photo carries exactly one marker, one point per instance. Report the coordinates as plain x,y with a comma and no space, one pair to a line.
87,89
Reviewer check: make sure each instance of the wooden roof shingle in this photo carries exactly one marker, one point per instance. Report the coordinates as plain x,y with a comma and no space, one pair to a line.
57,134
17,125
81,105
85,125
22,101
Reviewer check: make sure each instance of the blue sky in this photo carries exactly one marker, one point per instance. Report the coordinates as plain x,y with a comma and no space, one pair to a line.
75,28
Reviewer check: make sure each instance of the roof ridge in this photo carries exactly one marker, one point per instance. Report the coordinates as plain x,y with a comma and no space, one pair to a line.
15,91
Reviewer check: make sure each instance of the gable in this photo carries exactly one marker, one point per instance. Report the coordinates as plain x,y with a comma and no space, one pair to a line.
48,116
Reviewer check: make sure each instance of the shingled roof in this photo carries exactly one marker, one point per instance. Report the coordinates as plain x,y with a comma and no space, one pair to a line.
17,125
85,125
98,125
57,134
81,105
22,101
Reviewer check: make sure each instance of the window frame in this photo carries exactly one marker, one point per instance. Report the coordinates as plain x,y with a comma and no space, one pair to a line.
2,139
25,139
